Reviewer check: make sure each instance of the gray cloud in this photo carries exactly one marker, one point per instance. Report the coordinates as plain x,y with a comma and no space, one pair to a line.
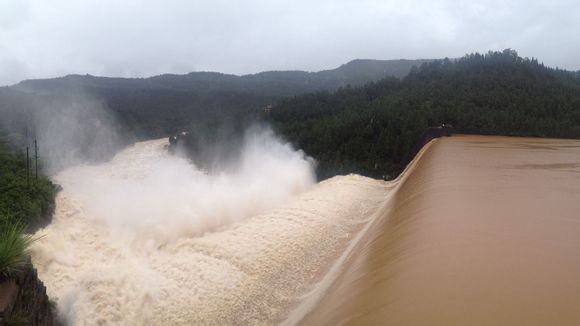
41,38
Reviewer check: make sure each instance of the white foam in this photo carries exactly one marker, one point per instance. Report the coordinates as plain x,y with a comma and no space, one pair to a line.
147,239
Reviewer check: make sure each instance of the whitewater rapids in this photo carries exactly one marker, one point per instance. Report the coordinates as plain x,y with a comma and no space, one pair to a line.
147,239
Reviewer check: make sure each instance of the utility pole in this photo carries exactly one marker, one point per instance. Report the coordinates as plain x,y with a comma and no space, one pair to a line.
27,169
35,159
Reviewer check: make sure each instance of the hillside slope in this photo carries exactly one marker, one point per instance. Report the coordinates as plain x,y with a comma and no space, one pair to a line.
368,130
160,105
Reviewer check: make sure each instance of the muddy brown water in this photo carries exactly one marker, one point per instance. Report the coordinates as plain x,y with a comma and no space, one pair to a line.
483,231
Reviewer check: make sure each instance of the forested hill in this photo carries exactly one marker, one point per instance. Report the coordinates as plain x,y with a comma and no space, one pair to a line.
157,106
368,130
269,83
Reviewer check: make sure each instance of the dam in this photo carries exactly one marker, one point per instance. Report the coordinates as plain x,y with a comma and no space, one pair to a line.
483,231
477,230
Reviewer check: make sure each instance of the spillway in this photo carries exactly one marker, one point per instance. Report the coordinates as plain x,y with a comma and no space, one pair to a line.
482,231
477,230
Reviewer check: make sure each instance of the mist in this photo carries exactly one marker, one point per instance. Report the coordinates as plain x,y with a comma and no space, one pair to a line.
147,194
75,132
115,220
70,129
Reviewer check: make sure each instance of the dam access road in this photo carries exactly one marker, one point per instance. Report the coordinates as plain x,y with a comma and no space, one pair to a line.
476,231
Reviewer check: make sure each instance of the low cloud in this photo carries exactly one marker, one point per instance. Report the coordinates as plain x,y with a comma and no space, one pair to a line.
143,38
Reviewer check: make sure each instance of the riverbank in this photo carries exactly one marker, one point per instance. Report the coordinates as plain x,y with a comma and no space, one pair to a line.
26,204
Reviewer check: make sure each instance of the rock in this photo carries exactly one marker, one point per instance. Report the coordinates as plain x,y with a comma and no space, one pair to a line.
23,300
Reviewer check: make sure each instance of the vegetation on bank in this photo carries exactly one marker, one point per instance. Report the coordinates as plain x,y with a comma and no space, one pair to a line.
368,130
14,244
26,201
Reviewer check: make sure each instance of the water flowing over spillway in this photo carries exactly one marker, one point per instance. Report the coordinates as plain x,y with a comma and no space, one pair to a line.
477,230
482,231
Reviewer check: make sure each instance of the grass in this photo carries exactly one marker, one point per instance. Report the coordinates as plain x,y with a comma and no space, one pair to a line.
14,244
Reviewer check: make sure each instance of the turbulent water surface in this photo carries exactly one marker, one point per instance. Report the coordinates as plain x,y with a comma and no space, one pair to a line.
477,230
148,239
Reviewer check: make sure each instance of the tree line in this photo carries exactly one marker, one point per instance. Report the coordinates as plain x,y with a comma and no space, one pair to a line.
368,130
26,202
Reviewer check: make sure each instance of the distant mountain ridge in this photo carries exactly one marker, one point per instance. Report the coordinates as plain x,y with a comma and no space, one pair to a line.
161,105
270,83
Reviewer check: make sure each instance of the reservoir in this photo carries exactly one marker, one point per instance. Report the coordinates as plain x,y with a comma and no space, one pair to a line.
483,231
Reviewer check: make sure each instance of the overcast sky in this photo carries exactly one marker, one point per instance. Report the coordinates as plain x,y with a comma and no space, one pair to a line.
47,38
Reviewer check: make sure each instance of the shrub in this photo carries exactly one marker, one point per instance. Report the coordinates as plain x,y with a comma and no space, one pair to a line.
13,248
